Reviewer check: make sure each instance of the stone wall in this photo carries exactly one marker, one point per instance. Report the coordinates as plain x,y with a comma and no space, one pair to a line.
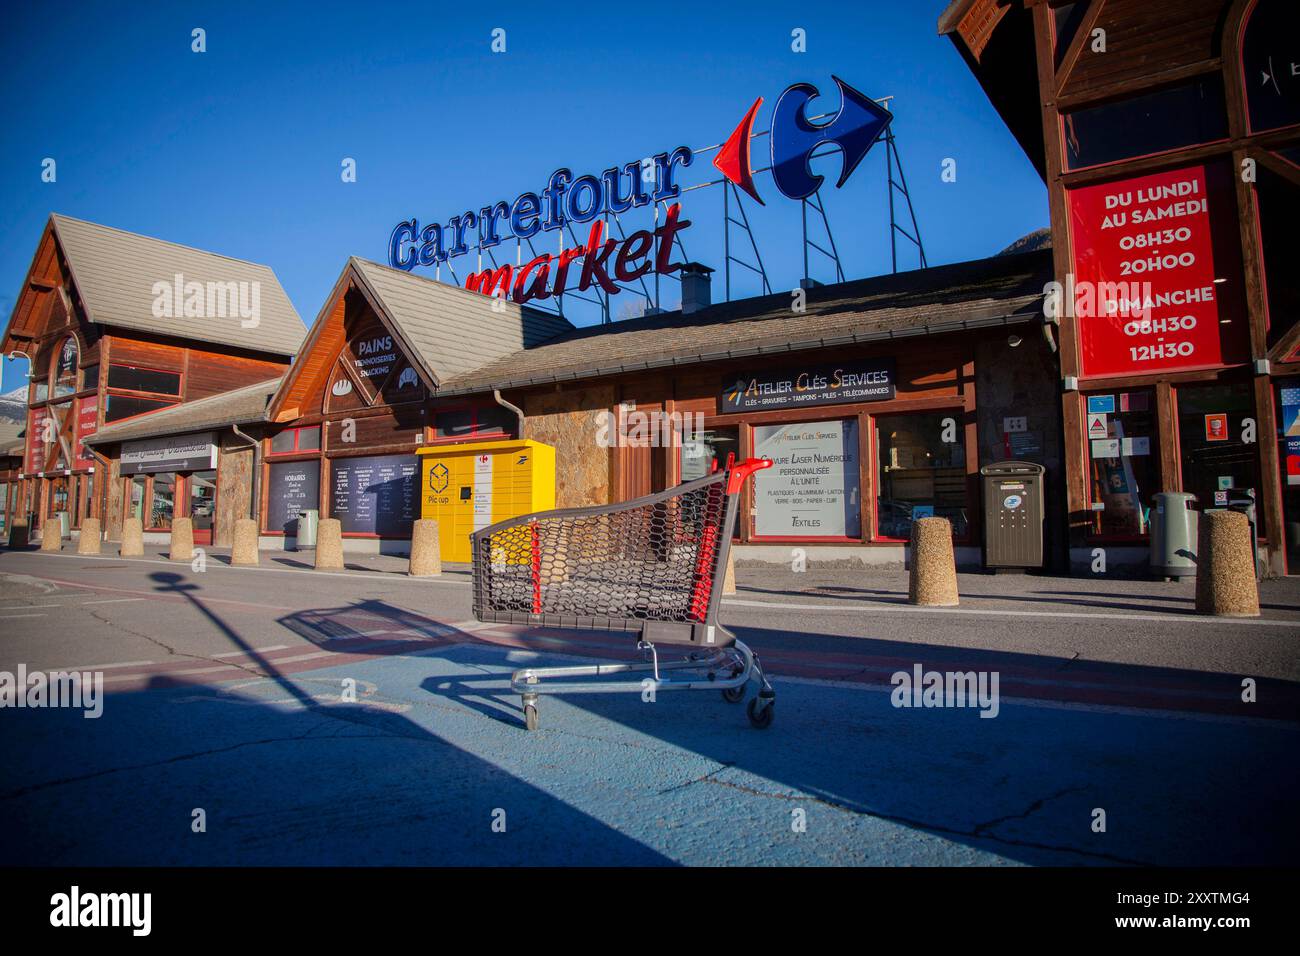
569,420
1024,382
234,488
112,517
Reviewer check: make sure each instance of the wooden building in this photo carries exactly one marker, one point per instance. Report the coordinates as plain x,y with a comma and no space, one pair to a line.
364,394
11,468
900,388
1168,133
879,400
117,327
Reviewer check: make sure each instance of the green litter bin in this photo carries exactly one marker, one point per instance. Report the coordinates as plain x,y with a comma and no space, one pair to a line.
308,523
1174,525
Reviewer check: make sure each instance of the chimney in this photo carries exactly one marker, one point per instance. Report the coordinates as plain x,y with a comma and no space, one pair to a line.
696,284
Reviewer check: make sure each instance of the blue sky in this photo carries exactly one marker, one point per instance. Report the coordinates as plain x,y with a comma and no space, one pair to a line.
238,150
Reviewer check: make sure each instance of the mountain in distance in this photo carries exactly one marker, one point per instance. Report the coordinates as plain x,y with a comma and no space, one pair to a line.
13,406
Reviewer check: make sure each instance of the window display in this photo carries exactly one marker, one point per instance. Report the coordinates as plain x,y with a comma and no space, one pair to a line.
1214,423
698,454
1123,460
812,488
922,472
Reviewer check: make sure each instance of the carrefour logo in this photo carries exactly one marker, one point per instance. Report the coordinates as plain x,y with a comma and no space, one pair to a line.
793,137
567,199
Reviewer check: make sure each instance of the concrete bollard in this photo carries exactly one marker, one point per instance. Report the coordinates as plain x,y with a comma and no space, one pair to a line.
329,545
89,541
182,539
934,570
51,535
1225,566
244,549
426,551
132,538
729,578
19,534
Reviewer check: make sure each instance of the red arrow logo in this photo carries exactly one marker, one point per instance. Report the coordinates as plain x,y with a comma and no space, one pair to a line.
733,158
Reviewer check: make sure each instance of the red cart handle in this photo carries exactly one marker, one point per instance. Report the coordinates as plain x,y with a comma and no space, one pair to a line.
741,471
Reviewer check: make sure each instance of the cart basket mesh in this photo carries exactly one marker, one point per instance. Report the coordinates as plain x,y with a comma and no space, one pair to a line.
615,567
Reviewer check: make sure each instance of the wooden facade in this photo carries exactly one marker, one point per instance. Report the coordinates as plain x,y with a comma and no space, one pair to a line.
356,395
1128,89
954,390
85,375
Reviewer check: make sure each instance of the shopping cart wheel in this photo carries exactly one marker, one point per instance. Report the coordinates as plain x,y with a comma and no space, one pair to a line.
761,712
734,695
530,716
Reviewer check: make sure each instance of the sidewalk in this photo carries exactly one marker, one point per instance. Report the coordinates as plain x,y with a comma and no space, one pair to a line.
1279,597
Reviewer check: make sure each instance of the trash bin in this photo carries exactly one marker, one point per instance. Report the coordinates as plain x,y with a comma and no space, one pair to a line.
1243,500
308,522
1014,514
1174,525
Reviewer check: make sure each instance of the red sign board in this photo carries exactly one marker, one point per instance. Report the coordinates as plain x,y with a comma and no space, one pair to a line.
36,432
87,425
1148,294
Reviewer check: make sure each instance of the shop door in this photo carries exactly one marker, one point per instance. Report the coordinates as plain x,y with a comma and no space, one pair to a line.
203,504
1288,406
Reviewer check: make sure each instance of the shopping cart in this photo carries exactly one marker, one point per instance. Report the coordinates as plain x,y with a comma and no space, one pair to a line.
650,567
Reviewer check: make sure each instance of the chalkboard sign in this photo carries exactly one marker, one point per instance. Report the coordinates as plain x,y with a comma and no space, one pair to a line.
376,495
294,486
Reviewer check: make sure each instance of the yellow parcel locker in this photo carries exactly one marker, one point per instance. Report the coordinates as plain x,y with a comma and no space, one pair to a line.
468,487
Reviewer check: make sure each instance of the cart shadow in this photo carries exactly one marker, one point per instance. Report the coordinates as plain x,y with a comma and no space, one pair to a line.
1023,786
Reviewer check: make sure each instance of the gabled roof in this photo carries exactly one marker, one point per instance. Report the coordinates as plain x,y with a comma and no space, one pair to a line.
115,271
445,330
239,406
1003,290
454,330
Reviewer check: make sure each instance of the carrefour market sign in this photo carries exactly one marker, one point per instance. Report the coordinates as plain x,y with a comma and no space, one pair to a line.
565,198
793,139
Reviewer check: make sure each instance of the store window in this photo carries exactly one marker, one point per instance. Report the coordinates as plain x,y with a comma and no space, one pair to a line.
1183,115
1066,20
813,486
136,379
65,368
203,499
1288,408
921,472
1212,426
119,407
90,377
85,494
700,452
1266,56
58,500
1278,201
463,424
162,506
135,497
293,440
1123,461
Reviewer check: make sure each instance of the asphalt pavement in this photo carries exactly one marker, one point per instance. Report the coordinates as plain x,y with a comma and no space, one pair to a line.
1121,734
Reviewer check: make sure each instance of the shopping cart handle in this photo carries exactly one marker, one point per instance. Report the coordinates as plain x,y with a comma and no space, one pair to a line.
742,470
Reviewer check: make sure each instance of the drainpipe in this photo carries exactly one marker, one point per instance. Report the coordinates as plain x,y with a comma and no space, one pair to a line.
253,500
519,414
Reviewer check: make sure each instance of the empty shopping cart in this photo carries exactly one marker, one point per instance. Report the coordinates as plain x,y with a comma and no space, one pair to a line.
651,567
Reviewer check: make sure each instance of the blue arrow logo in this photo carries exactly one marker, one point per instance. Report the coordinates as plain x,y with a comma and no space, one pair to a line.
854,129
